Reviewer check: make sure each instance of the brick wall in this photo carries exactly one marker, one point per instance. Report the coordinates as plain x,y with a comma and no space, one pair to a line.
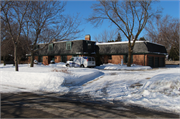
57,59
35,58
45,60
69,57
116,59
139,59
29,59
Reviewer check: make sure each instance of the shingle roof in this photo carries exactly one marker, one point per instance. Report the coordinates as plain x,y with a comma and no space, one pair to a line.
59,48
80,46
122,47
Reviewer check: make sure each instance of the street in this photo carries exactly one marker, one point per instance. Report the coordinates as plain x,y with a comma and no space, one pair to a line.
30,105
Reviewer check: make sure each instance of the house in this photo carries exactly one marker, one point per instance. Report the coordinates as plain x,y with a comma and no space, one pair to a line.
144,53
65,50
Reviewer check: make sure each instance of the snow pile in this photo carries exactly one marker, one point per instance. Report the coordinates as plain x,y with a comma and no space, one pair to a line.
167,84
161,92
123,67
156,89
44,78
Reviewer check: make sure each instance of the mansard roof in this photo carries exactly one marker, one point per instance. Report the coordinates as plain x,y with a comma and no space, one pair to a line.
122,48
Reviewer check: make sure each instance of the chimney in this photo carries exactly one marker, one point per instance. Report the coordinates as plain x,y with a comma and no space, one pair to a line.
54,40
87,37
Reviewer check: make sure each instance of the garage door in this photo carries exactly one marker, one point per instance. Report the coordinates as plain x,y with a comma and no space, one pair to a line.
162,62
156,64
150,61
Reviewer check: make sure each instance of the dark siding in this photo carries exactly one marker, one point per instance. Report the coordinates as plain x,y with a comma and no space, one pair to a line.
150,61
90,48
155,48
60,48
40,59
162,62
63,58
125,58
156,64
79,46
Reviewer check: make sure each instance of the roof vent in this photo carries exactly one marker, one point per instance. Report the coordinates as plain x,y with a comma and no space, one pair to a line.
54,40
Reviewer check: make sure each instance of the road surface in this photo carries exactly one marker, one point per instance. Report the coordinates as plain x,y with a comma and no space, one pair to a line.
30,105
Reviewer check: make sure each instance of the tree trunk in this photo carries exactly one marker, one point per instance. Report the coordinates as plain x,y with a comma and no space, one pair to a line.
15,58
4,59
129,57
32,60
19,60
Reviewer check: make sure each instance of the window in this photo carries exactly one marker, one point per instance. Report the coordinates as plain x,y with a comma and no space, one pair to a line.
109,57
89,59
68,45
50,47
71,59
89,46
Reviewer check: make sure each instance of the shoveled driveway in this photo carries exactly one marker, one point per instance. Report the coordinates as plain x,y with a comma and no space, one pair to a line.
30,105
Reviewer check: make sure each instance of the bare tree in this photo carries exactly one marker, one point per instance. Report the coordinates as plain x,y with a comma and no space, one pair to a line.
165,31
129,16
118,39
106,36
13,12
7,48
45,21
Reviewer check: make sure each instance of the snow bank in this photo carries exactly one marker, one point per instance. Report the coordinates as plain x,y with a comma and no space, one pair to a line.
167,84
123,67
156,89
44,78
161,92
33,81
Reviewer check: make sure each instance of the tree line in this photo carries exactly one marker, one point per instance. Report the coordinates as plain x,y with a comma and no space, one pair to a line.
24,24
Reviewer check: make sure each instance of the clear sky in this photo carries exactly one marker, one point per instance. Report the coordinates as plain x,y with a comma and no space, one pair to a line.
83,8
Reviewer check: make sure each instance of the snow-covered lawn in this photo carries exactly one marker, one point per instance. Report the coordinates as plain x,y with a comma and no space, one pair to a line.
153,88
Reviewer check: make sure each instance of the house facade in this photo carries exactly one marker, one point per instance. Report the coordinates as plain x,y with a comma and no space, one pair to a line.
144,53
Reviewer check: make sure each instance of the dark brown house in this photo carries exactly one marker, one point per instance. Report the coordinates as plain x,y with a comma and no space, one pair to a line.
144,53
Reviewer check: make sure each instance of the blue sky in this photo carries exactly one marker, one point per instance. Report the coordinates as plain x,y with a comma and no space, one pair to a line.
83,8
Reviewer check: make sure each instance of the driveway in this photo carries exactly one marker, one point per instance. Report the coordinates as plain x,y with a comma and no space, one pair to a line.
30,105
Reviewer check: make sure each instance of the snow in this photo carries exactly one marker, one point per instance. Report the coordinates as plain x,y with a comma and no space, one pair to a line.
123,67
157,89
122,42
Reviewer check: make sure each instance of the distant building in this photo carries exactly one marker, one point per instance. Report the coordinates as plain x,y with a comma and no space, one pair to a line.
144,53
